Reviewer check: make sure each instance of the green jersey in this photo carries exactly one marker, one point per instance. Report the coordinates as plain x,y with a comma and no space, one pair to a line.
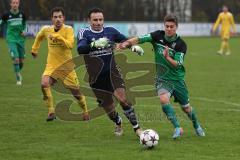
16,23
177,50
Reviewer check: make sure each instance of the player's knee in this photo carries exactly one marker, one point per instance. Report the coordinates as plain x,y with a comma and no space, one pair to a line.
45,84
16,60
186,108
122,99
164,99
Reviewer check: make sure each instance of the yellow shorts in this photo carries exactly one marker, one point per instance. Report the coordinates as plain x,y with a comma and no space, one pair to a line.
68,78
225,34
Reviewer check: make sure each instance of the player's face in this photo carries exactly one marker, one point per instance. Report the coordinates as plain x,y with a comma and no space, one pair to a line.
58,19
14,4
96,21
170,29
225,9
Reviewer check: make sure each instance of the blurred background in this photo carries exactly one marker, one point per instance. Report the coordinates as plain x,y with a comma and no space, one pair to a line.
131,11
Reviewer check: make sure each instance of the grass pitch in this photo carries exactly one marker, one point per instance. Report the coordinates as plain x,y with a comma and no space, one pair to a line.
213,83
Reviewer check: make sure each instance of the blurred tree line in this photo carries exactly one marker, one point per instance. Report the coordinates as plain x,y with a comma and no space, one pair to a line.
130,10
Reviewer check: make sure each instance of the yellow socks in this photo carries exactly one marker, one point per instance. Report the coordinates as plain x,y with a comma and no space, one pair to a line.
224,47
82,103
48,98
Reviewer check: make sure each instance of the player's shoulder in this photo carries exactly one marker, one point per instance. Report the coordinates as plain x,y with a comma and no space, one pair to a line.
181,45
229,14
158,34
82,32
6,15
21,13
46,27
110,29
67,27
181,41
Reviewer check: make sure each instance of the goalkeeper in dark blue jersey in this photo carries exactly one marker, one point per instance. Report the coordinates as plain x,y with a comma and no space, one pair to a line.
105,78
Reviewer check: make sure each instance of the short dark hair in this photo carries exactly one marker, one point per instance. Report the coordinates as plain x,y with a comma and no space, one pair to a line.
94,10
171,18
57,9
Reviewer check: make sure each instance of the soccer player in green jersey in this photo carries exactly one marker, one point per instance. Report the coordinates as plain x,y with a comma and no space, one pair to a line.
169,50
16,23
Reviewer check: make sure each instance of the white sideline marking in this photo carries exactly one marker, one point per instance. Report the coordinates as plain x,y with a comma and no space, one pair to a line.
213,101
218,101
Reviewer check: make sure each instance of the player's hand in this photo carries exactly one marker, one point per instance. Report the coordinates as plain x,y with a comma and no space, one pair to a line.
34,55
233,33
23,34
137,49
124,45
166,52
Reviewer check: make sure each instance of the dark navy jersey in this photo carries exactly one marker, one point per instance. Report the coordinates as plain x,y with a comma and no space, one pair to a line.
99,61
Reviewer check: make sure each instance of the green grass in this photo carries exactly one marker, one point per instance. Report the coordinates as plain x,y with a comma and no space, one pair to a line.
213,82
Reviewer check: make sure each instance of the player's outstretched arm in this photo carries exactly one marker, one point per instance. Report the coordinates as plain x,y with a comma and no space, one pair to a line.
128,43
131,43
216,23
37,42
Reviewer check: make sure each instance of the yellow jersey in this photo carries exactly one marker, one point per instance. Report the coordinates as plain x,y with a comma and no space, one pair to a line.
227,21
59,47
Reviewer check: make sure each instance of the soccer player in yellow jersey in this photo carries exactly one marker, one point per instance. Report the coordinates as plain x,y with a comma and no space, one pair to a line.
60,39
227,21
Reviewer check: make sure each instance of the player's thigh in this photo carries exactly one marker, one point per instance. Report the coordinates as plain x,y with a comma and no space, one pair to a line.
21,50
164,86
164,90
104,98
225,35
71,80
180,93
12,47
47,81
116,79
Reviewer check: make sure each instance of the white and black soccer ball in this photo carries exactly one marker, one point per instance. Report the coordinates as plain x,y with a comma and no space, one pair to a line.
149,138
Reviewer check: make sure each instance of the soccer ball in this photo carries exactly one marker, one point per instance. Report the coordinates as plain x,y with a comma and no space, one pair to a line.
149,138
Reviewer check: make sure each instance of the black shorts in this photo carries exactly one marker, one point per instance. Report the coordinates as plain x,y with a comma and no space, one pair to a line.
104,86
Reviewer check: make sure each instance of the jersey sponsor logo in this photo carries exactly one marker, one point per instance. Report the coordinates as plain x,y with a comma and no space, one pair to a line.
102,52
15,23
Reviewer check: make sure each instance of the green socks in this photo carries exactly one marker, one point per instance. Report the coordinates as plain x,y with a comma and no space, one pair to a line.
192,116
17,71
170,113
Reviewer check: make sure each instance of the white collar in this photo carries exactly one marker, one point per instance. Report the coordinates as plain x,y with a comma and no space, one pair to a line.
95,31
